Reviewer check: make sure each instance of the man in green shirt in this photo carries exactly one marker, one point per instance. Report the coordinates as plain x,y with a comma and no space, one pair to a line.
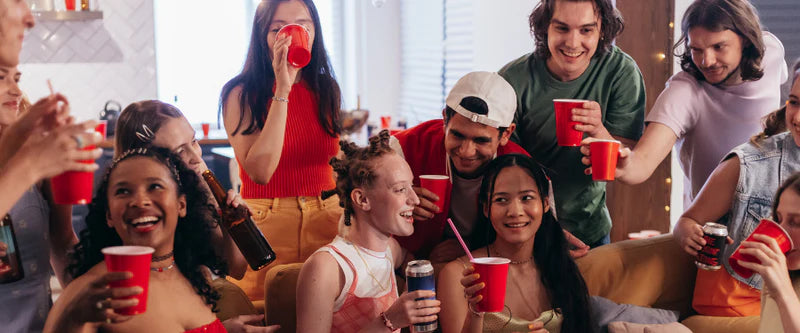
574,58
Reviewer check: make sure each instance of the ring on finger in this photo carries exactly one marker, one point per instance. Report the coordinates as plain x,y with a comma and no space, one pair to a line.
79,141
108,320
99,305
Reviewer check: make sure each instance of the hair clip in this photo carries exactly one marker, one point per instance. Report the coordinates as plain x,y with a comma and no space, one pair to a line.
146,135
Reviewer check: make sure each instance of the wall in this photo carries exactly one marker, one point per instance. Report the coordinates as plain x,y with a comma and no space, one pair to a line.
501,33
93,61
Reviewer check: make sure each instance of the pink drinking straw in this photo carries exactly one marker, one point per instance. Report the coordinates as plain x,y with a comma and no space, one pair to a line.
460,240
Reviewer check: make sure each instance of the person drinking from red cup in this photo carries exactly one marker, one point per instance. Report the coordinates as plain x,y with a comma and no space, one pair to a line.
780,307
518,225
767,229
739,195
148,197
349,285
283,124
299,53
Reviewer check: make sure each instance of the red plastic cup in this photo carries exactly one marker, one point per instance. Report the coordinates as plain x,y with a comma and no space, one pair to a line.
566,133
768,228
436,184
75,187
386,122
134,259
299,50
101,128
493,272
206,127
70,4
604,159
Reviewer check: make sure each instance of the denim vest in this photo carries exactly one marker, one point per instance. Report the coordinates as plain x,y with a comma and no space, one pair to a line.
762,169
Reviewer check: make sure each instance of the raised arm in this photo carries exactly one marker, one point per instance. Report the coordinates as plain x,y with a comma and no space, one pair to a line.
713,201
260,151
637,165
42,157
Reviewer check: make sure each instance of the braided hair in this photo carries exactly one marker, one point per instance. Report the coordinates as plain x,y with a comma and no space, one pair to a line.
357,168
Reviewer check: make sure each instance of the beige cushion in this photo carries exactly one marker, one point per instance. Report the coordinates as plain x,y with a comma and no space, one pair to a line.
626,327
233,301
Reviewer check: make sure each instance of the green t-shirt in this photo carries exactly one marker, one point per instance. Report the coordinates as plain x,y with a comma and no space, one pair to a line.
614,81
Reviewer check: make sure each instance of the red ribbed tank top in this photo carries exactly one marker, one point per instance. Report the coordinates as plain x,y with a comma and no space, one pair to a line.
303,169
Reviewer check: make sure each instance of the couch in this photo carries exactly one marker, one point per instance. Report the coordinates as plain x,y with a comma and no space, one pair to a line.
651,272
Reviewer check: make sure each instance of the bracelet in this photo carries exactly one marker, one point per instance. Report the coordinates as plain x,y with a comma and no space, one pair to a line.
280,99
475,313
387,322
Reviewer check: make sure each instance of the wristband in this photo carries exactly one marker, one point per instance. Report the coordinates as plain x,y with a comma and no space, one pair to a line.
280,99
387,322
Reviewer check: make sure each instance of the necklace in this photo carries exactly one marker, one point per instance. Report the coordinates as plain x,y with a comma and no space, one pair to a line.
368,269
512,261
161,269
164,257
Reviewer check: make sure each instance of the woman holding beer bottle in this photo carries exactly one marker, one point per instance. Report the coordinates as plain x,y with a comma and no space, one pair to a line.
155,123
349,284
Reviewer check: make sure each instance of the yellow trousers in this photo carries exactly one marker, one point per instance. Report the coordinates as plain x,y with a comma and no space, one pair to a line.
295,227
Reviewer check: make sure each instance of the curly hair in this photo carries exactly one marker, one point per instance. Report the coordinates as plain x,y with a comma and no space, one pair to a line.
357,168
138,123
738,16
193,250
775,122
611,25
559,273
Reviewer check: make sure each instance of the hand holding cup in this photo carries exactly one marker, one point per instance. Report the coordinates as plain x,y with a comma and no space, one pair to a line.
96,302
426,208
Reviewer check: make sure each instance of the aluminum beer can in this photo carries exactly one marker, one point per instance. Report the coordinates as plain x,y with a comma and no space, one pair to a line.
715,235
419,276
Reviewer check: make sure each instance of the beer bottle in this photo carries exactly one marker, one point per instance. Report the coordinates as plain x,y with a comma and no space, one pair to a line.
240,226
10,263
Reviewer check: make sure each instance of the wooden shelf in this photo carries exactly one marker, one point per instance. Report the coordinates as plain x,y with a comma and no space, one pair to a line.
68,15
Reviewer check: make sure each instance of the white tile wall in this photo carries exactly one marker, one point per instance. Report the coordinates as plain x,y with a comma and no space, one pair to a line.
94,61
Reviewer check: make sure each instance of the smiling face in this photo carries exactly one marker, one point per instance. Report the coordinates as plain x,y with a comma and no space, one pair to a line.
788,213
572,38
144,204
716,54
178,136
288,12
15,17
391,200
515,206
471,145
793,111
10,95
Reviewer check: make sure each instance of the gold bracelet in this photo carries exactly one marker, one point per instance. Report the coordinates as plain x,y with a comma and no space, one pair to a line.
387,322
280,99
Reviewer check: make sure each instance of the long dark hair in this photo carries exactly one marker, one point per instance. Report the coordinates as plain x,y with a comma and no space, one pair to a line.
611,25
738,16
559,273
193,249
139,121
257,76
